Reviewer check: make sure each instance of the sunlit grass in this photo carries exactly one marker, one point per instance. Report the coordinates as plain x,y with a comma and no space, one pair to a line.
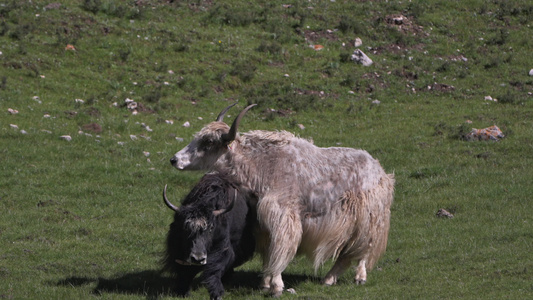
84,218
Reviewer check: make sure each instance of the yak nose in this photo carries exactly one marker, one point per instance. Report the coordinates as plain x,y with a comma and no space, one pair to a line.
199,258
173,160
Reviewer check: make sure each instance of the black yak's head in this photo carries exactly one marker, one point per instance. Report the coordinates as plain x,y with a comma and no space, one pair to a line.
198,223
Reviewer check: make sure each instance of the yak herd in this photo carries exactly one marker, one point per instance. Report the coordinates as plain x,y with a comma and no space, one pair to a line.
273,193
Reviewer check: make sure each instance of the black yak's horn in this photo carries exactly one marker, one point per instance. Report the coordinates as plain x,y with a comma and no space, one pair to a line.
220,117
230,136
170,205
227,209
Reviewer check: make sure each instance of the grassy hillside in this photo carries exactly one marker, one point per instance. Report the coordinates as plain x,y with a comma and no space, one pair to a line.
83,218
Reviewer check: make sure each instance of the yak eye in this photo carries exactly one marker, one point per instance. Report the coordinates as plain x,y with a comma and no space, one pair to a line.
206,144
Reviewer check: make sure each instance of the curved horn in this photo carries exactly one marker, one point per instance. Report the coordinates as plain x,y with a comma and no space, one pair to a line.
227,209
230,136
220,117
170,205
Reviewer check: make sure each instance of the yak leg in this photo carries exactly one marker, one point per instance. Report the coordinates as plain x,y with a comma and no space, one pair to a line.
340,266
285,229
360,273
184,278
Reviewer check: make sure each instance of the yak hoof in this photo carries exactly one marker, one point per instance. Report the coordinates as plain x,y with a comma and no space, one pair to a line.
275,292
329,281
360,281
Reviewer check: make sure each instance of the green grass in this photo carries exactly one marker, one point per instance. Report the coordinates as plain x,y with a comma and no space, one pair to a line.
84,219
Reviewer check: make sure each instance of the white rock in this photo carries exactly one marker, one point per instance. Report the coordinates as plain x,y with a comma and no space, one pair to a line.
359,57
46,116
13,126
133,137
531,72
67,138
131,105
121,143
146,153
37,99
12,111
301,126
23,131
79,101
358,42
187,124
169,122
376,102
46,131
179,139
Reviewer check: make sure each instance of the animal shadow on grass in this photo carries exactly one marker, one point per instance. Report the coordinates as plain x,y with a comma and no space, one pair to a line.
153,284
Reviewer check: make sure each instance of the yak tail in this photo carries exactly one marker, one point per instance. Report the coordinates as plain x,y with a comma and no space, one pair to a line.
357,227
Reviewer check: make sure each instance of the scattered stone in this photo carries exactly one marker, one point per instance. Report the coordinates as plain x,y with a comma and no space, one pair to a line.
302,127
376,102
146,153
121,143
70,47
79,101
147,127
359,57
179,139
169,122
317,47
46,116
492,133
489,98
12,111
186,124
23,131
442,213
37,99
291,291
67,138
358,43
46,131
531,72
13,126
133,137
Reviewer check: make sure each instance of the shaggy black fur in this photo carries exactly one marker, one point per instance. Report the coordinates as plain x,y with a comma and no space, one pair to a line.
227,238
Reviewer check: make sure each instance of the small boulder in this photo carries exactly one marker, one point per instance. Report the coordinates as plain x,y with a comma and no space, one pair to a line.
442,213
360,57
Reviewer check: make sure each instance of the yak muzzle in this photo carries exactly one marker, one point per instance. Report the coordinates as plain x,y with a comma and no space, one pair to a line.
198,258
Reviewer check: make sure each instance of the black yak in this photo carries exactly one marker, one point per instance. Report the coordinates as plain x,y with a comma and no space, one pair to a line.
212,233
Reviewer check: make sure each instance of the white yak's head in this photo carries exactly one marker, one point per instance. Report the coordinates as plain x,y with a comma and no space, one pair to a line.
208,144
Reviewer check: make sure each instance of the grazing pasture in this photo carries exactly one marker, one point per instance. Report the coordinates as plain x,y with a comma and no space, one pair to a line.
96,95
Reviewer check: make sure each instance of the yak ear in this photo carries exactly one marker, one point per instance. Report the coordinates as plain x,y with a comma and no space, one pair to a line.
222,211
170,205
230,136
220,117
